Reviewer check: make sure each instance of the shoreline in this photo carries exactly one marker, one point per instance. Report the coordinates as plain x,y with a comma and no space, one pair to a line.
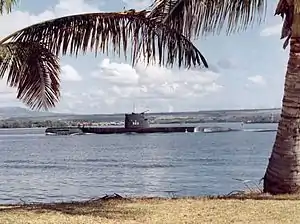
247,208
235,195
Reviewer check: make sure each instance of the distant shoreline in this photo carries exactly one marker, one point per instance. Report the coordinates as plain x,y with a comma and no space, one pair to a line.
152,124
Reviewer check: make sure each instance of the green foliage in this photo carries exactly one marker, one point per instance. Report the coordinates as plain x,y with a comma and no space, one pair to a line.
31,124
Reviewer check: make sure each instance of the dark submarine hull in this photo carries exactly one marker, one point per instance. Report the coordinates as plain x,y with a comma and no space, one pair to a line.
122,130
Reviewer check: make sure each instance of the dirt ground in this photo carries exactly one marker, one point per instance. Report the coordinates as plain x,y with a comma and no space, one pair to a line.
157,210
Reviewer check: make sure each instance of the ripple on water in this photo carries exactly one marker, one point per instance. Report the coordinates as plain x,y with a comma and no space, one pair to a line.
33,166
39,168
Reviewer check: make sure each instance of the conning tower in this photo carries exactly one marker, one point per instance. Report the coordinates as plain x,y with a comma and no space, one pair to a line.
136,121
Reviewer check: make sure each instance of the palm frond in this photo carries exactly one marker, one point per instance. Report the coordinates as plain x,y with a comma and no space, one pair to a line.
6,5
147,39
286,10
196,17
33,70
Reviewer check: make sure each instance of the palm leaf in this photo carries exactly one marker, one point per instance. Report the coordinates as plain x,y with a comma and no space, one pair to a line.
286,10
6,5
195,17
33,70
147,39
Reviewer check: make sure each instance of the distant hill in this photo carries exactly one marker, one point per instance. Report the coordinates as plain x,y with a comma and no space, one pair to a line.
14,112
18,113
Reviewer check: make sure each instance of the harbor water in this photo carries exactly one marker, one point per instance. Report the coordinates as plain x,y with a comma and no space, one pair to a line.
39,168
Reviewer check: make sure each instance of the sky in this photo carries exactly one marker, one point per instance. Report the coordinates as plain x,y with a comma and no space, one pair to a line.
246,70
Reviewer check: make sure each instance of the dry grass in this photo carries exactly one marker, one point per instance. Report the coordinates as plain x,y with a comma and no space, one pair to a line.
259,209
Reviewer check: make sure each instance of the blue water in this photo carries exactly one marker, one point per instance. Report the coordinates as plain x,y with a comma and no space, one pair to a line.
35,167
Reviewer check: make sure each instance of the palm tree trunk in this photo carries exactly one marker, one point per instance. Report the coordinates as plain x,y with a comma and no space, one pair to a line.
283,171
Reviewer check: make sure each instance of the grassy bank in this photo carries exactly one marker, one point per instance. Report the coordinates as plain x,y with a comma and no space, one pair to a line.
183,210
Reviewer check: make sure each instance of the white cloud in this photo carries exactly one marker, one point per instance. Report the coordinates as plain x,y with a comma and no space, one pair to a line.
116,73
19,19
257,79
70,7
271,30
68,73
153,85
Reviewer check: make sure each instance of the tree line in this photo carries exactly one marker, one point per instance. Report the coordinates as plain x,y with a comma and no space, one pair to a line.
31,124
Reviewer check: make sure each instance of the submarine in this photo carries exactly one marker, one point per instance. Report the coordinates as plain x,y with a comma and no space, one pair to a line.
133,123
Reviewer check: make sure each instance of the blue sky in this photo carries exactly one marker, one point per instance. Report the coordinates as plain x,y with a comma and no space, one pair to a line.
247,69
